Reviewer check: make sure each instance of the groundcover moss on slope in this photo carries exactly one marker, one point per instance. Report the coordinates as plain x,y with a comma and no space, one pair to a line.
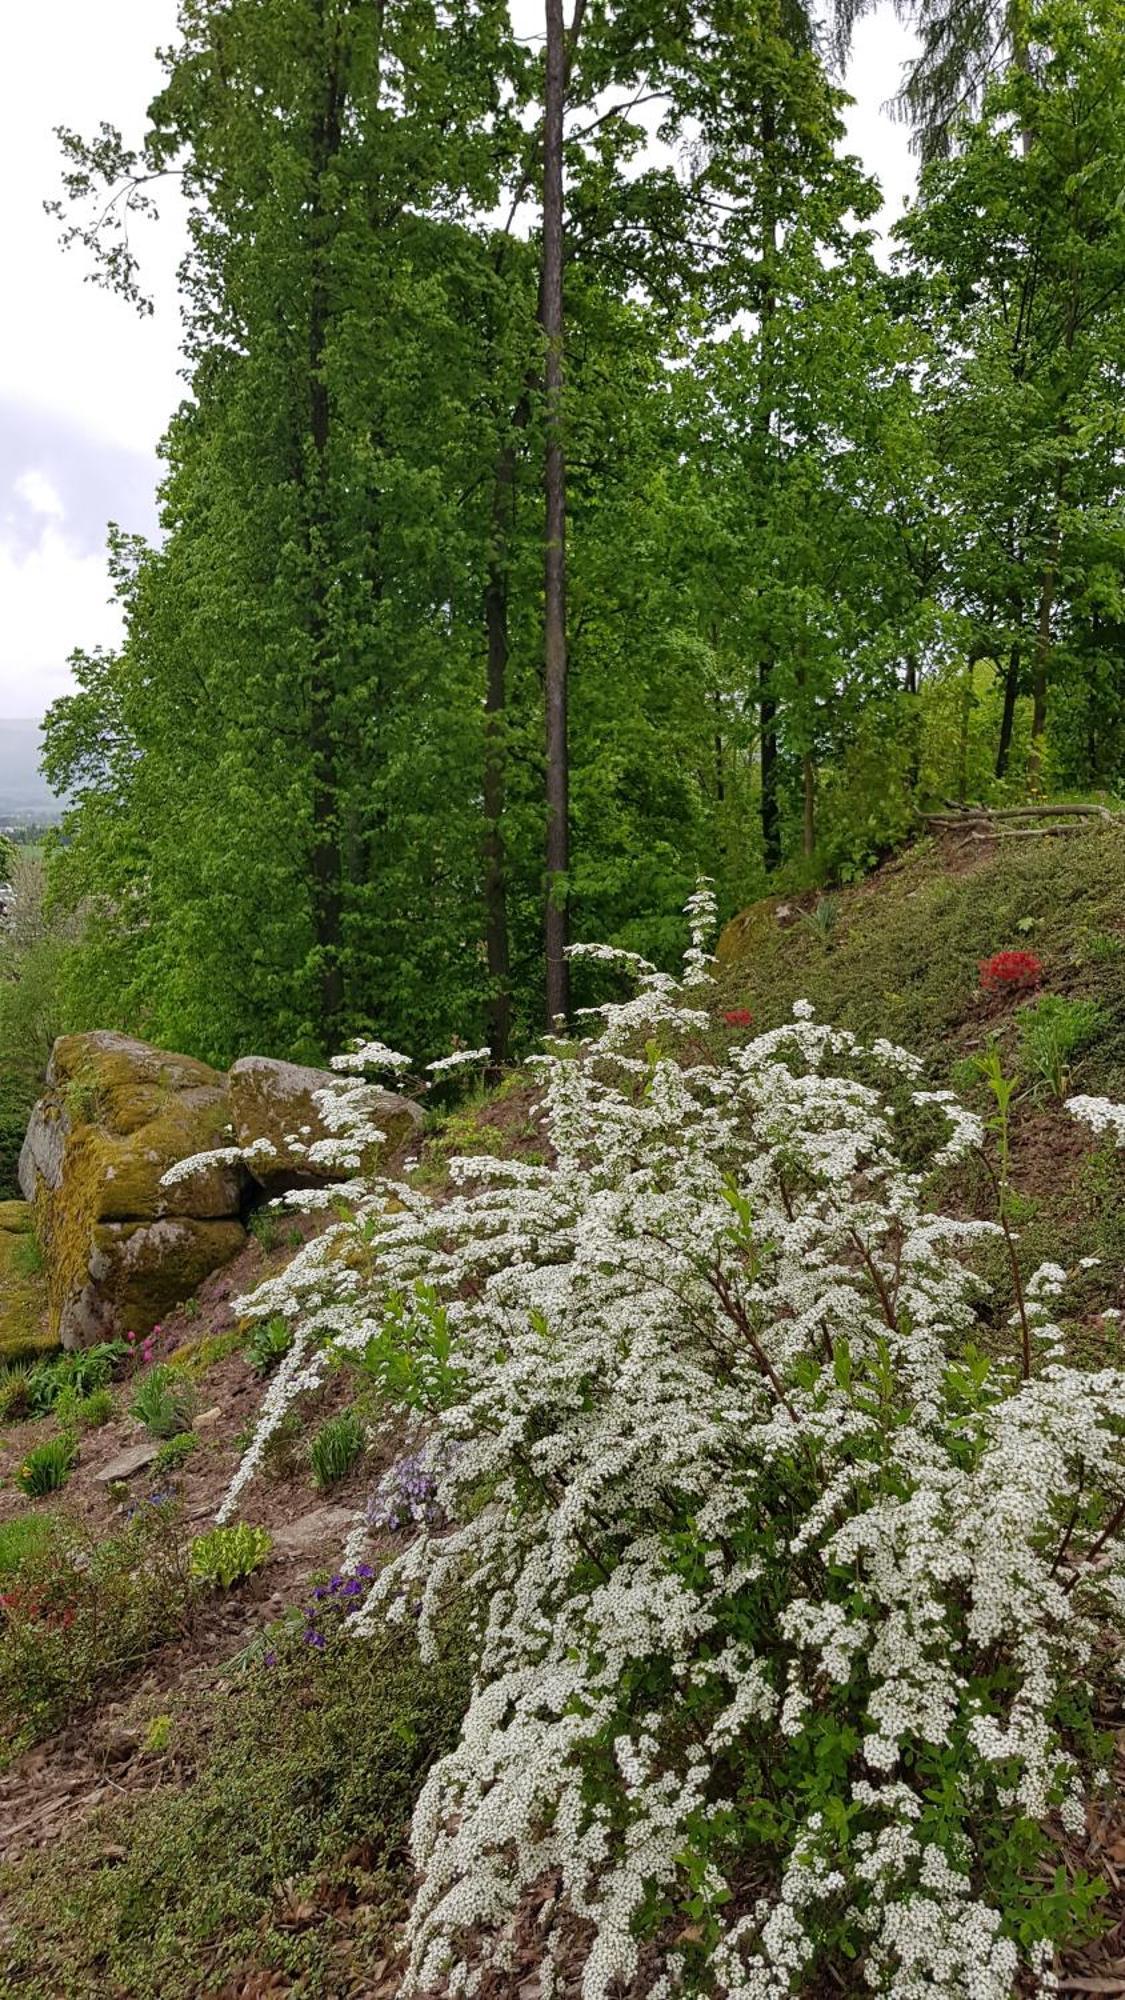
903,958
287,1846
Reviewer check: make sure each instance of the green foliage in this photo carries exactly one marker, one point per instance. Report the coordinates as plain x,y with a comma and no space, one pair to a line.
48,1465
164,1400
81,1613
1051,1033
76,1374
268,1342
225,1556
279,1811
15,1397
21,1537
335,1447
174,1452
90,1412
410,1359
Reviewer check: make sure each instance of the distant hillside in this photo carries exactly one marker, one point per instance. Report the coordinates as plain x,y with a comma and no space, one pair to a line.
24,792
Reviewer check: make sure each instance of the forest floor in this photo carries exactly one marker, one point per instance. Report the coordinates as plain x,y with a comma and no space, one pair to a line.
225,1815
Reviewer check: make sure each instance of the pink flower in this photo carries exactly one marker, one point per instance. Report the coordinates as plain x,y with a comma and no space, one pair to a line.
738,1017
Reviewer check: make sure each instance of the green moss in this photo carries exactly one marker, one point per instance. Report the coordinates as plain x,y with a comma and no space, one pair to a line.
305,1777
904,953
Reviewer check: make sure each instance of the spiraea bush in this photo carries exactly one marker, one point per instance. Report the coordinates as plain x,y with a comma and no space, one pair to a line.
789,1609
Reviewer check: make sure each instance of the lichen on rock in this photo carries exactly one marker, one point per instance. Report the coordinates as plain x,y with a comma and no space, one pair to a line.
120,1248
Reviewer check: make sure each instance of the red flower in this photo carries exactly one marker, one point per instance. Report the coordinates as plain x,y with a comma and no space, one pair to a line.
1010,969
738,1017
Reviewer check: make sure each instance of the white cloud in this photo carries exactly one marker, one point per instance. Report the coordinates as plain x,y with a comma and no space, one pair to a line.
36,489
54,600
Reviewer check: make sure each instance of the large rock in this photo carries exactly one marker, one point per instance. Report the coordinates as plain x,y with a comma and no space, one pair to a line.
120,1249
275,1112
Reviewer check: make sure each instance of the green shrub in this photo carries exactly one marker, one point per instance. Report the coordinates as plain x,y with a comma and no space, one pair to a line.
269,1342
164,1401
335,1447
173,1452
306,1774
94,1410
224,1556
1051,1033
82,1613
48,1465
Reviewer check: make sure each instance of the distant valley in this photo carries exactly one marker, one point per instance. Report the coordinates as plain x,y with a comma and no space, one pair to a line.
24,792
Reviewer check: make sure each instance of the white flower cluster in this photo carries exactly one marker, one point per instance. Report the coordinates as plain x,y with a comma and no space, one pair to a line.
364,1056
717,1479
1100,1115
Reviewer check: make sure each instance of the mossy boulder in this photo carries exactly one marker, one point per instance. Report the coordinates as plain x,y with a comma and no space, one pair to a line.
276,1113
116,1115
24,1330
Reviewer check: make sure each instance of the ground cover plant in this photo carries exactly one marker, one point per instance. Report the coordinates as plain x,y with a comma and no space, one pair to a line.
77,1613
286,1845
792,1610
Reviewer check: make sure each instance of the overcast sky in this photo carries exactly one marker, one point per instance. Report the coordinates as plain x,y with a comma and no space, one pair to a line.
86,387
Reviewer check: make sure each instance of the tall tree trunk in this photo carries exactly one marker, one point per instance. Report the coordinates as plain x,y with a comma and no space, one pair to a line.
495,703
767,734
763,425
555,660
1008,716
1042,653
808,776
326,861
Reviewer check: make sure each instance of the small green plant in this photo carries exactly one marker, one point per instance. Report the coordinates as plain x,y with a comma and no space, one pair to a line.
1103,947
165,1401
174,1451
158,1736
265,1229
335,1447
823,918
1052,1033
94,1410
21,1537
224,1556
48,1465
269,1342
15,1400
988,1068
282,1457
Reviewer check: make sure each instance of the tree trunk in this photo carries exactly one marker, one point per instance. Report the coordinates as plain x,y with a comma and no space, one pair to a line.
767,728
763,423
555,660
1007,719
326,861
808,772
1043,646
495,703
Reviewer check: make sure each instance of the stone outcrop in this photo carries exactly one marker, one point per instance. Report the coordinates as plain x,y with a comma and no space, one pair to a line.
275,1113
120,1249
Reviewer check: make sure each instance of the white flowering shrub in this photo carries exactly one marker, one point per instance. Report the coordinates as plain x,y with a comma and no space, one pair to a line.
788,1603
